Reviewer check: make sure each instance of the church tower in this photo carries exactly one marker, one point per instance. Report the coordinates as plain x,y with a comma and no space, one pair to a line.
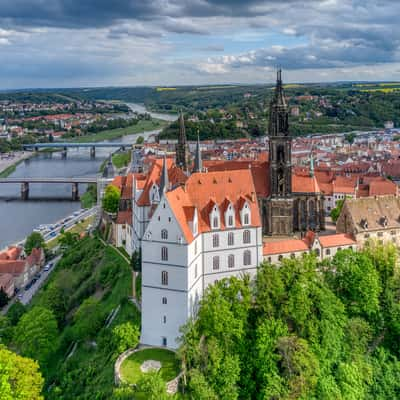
182,151
279,218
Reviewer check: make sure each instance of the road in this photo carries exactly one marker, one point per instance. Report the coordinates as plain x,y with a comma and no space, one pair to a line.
25,296
64,224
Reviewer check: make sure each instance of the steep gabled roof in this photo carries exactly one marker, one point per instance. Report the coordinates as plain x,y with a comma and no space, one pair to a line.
204,190
175,176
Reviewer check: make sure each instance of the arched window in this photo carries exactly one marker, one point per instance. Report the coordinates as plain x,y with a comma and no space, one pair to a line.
231,261
247,257
231,239
215,240
164,278
164,234
246,237
216,262
164,253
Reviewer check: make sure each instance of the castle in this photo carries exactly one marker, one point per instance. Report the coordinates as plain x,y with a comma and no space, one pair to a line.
222,219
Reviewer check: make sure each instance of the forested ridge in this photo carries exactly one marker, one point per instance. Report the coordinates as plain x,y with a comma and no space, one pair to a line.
304,330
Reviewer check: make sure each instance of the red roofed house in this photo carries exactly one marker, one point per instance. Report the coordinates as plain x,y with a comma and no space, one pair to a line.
21,269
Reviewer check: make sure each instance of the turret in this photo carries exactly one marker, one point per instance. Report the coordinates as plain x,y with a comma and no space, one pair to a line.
164,182
198,162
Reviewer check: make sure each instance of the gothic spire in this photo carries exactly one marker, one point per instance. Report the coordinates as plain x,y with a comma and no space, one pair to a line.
164,182
279,96
182,131
182,152
198,162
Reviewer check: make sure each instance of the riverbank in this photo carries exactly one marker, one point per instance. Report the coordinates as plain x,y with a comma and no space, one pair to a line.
140,127
8,166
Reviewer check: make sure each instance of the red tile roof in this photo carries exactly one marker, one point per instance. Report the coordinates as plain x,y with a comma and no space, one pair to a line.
202,190
336,240
175,176
284,246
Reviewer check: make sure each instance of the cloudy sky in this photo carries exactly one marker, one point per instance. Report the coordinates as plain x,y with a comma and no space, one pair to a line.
69,43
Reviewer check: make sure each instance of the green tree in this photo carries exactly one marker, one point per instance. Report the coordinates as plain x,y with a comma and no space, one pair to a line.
34,241
198,387
36,334
152,386
88,318
3,298
20,378
111,199
125,336
335,212
356,281
67,239
136,260
140,140
15,312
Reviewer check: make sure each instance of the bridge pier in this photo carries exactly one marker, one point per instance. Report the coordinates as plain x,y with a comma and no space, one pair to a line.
64,153
92,152
24,190
123,148
36,149
75,191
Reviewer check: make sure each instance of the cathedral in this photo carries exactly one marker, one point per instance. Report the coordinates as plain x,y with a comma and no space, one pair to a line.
294,203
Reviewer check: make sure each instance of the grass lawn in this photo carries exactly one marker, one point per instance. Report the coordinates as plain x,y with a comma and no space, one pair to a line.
130,369
141,126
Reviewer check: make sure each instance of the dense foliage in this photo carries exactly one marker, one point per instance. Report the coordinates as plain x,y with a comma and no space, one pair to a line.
20,378
111,199
69,330
305,330
34,241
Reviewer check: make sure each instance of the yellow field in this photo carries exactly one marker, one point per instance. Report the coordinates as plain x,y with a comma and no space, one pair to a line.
163,89
292,86
383,90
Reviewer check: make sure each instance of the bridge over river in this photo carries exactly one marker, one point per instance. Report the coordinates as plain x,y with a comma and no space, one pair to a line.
65,146
25,182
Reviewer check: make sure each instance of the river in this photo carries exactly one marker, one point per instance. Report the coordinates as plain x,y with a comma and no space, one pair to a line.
18,218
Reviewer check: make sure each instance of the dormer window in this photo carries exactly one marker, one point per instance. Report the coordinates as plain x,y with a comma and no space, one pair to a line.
214,218
245,214
229,216
364,223
164,234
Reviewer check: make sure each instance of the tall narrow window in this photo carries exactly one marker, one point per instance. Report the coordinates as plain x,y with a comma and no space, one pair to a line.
246,219
216,262
215,240
164,234
246,237
164,278
195,247
164,253
164,300
215,222
231,261
231,240
247,257
195,271
164,319
230,220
